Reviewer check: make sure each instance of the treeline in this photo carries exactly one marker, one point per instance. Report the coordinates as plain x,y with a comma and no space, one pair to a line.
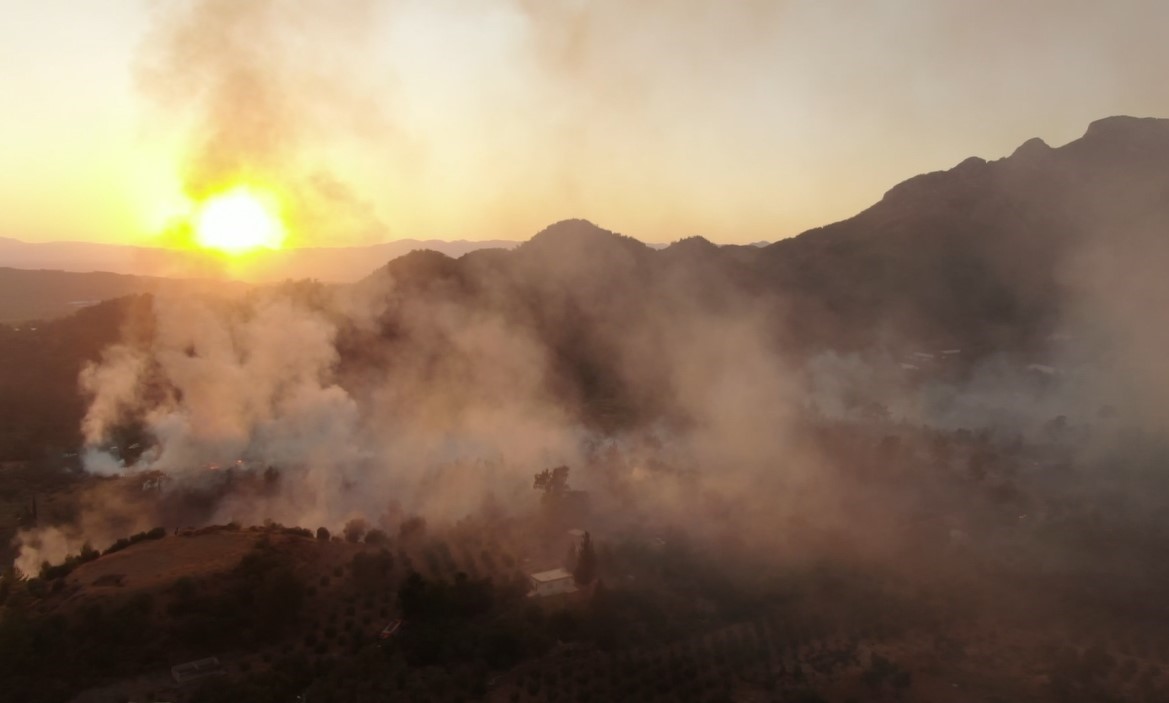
55,573
40,407
256,603
50,657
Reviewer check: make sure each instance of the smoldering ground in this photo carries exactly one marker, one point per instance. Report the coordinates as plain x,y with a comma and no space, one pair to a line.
436,386
439,387
430,399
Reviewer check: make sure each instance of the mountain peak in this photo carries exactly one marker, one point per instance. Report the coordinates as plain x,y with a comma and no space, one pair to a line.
690,248
574,234
1031,148
1125,126
697,242
572,227
933,185
1122,135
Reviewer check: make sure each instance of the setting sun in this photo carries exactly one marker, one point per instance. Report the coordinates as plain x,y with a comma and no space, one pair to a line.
238,221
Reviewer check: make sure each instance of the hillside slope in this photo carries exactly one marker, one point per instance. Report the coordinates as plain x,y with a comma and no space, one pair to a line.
332,264
27,295
987,254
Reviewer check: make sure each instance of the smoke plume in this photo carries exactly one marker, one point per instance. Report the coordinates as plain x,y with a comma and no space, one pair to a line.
260,92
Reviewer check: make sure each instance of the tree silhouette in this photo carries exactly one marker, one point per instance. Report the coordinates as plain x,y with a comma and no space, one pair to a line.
412,527
586,563
552,482
355,529
570,559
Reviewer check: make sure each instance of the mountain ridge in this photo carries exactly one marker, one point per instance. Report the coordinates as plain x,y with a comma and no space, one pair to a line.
993,258
330,264
28,295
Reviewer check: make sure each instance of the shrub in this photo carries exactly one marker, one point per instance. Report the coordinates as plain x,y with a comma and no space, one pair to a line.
37,588
156,533
412,527
355,529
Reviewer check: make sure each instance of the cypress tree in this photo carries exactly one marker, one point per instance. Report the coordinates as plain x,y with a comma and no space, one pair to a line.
586,563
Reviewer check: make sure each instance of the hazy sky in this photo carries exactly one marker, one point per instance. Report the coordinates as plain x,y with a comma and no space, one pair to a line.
479,119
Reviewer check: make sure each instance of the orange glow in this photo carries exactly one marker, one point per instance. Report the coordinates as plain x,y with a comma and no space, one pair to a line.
239,221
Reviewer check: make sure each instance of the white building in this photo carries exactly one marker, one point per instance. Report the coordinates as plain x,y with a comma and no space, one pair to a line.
551,583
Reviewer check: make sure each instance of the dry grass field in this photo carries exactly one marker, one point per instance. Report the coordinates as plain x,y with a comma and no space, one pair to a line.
155,564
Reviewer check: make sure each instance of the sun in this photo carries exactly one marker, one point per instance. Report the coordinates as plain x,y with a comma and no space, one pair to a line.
238,221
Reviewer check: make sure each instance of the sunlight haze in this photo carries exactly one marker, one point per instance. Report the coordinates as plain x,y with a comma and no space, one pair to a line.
737,121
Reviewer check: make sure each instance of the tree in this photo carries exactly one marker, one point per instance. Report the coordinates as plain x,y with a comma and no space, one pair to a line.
415,597
412,527
354,530
553,482
376,536
323,534
277,601
371,571
586,562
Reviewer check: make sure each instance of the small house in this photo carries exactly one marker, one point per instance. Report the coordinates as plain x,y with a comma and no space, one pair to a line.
195,670
551,583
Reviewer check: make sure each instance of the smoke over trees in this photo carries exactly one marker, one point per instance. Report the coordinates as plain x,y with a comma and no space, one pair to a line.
585,571
967,445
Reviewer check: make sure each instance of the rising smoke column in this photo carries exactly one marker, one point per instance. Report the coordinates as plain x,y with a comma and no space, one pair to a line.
258,90
238,382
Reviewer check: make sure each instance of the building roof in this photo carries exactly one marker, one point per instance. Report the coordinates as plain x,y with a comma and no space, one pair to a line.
553,575
198,669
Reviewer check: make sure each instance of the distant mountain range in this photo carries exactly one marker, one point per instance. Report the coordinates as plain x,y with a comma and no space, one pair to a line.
984,253
51,279
31,295
990,257
328,264
996,254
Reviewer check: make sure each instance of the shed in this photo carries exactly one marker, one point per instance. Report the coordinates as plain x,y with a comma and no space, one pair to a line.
551,583
195,670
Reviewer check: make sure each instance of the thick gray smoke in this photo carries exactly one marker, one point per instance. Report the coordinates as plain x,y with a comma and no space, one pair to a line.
258,386
311,405
461,404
